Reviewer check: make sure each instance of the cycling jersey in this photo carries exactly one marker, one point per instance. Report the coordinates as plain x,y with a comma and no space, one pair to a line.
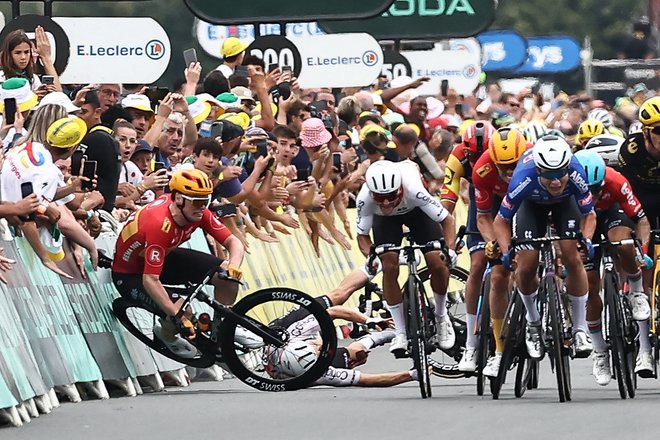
151,233
526,185
487,183
617,189
414,196
458,165
642,171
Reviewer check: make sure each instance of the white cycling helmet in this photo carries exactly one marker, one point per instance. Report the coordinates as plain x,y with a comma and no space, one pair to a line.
551,153
383,177
292,360
635,127
607,146
534,131
602,115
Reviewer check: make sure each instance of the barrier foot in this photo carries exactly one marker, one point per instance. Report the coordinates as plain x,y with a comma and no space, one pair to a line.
153,381
43,404
11,416
31,408
176,378
136,384
96,389
126,385
23,413
211,374
70,392
54,401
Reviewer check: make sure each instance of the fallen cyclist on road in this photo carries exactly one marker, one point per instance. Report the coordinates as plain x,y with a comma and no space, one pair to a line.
147,256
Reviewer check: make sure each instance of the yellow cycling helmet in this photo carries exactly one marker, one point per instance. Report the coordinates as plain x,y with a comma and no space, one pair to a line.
589,129
507,145
193,183
649,112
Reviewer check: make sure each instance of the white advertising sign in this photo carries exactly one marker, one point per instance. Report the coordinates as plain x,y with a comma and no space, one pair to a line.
338,60
461,68
115,50
211,36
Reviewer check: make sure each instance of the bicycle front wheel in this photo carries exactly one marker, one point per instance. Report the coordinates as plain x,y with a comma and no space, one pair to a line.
417,325
306,331
514,328
559,352
484,334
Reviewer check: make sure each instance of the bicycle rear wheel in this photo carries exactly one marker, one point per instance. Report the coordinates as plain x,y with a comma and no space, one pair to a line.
559,352
484,334
514,327
621,352
417,324
140,322
309,341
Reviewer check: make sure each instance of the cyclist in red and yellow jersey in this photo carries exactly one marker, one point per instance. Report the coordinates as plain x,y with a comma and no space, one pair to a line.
147,254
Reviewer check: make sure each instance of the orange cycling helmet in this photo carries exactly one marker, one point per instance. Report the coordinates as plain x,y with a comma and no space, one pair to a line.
507,145
649,112
193,183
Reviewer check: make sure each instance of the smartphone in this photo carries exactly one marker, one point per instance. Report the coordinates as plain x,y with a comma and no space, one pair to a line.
302,174
444,87
47,80
89,171
262,148
190,56
26,190
458,108
241,71
273,66
10,110
286,73
159,166
205,129
528,103
336,161
216,130
156,94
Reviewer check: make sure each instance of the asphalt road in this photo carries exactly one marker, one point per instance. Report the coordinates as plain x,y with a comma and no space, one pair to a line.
231,410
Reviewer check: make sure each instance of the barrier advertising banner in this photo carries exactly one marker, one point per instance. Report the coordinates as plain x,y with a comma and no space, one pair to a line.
502,50
550,55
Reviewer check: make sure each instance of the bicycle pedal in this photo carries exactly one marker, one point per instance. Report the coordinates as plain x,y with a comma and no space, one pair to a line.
400,354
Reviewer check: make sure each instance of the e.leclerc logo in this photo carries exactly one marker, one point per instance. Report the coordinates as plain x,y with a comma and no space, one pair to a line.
470,71
154,49
370,58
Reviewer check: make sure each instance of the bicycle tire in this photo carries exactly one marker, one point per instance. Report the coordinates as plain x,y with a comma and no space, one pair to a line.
417,337
558,352
484,334
261,367
516,318
139,322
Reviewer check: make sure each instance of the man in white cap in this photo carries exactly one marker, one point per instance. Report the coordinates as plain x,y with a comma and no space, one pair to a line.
233,52
139,107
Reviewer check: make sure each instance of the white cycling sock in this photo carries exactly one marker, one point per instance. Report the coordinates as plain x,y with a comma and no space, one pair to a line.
399,317
644,342
472,341
635,282
596,332
579,308
532,314
440,305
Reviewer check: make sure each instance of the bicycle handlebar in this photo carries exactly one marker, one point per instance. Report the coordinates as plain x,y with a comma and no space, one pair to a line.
437,245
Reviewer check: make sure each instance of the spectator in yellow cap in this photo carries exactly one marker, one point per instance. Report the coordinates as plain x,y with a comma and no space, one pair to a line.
233,52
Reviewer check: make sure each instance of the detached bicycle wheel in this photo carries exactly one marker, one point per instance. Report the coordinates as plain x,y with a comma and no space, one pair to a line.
140,323
307,341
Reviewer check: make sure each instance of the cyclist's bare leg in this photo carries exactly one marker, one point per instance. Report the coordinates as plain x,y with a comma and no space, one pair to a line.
527,263
472,289
392,290
499,286
577,285
225,292
350,284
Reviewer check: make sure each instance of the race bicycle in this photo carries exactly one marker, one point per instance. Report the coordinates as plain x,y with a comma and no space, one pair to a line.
278,361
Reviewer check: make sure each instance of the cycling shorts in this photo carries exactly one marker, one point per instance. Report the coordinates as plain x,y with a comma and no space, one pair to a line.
605,220
389,229
531,220
181,266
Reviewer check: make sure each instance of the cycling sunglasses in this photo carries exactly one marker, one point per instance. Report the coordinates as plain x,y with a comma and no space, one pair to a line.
655,131
553,174
596,189
198,202
389,197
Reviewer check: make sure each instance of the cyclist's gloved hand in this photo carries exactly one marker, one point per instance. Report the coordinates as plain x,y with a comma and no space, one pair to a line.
234,272
493,250
374,266
379,323
648,262
185,326
589,248
453,258
506,261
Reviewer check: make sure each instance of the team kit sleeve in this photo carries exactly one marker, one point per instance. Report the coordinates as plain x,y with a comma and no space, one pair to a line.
212,226
580,188
418,196
624,195
452,185
365,211
483,184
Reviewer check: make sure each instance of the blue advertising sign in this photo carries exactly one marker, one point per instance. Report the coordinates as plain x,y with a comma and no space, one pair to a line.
502,50
550,55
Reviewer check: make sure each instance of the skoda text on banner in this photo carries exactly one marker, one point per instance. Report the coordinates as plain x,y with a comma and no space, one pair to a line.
108,49
460,67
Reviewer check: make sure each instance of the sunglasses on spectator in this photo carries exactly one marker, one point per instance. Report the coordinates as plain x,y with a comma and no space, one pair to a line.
198,202
382,198
553,174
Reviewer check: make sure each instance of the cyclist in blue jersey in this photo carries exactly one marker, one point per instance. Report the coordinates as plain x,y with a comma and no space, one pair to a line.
549,181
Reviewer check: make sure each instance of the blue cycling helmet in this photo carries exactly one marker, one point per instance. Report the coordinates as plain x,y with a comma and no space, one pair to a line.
593,165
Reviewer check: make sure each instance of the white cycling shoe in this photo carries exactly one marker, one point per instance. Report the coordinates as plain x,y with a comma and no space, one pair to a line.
178,346
446,334
468,362
639,302
247,339
492,367
601,370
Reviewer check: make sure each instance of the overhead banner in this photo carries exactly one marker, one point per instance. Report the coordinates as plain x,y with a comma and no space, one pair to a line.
550,55
268,11
411,19
103,49
211,36
461,68
502,50
342,60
